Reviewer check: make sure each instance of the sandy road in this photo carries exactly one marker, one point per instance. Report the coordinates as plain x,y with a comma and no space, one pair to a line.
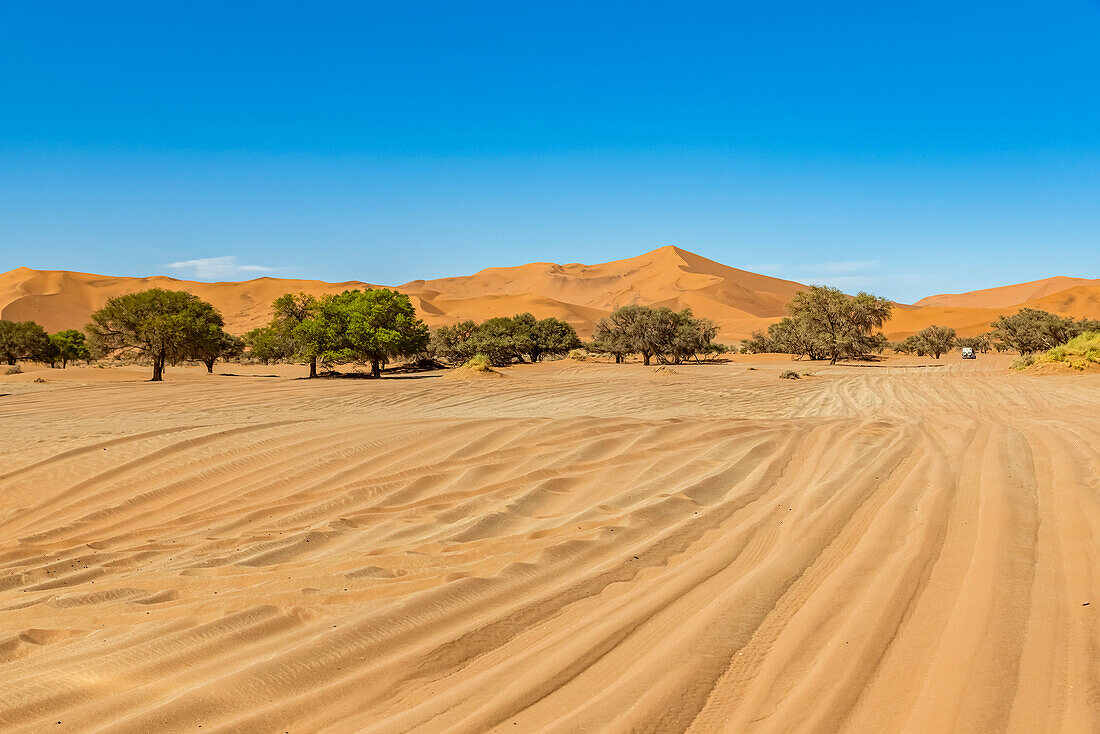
575,547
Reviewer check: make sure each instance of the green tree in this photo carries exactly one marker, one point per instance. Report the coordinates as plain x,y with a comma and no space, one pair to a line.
622,332
371,326
453,344
266,344
981,343
1032,330
160,325
552,336
288,337
842,325
24,340
69,346
936,340
502,339
217,344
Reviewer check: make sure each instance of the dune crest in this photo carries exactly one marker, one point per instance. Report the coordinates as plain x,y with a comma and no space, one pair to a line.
737,300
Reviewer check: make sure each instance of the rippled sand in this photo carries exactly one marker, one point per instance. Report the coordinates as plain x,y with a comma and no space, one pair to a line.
575,547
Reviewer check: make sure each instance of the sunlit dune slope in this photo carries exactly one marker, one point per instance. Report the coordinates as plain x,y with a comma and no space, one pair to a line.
1008,295
738,301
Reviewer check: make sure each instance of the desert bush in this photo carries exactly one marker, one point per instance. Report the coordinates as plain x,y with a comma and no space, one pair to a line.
1031,330
981,343
14,370
479,363
578,355
789,375
826,324
1078,352
504,340
668,336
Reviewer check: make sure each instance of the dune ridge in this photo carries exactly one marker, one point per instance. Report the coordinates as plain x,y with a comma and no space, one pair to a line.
737,300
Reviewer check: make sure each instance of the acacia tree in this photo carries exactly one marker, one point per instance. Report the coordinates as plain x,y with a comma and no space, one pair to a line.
25,340
215,345
160,325
454,344
934,340
620,333
372,326
552,336
70,345
843,326
1032,330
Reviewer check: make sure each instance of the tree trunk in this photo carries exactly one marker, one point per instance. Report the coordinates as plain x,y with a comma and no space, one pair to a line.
618,358
645,358
209,365
64,363
375,368
158,368
313,367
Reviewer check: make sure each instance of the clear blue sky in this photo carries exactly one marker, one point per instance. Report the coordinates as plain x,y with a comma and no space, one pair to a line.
907,148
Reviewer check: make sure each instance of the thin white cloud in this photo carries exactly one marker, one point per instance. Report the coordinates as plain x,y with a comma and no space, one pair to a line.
218,268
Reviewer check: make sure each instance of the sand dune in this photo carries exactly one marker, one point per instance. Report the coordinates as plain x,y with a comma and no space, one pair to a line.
738,301
577,547
1008,295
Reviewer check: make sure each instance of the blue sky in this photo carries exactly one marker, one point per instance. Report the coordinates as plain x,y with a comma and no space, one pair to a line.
905,148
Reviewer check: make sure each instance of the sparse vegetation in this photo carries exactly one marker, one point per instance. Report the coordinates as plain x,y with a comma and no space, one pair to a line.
670,337
159,325
68,346
478,363
824,323
933,341
504,340
1078,352
24,340
789,375
14,370
1031,330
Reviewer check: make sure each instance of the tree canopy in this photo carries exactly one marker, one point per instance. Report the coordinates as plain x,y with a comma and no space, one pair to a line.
826,323
655,333
24,340
157,324
1031,330
370,326
69,345
931,340
504,340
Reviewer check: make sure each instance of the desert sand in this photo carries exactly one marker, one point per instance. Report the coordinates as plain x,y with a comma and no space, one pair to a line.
571,547
738,301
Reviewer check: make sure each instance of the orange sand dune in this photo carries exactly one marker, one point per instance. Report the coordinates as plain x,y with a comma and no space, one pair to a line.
1007,295
1081,301
576,547
738,301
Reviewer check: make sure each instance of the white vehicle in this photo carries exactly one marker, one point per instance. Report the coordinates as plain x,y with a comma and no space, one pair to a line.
968,353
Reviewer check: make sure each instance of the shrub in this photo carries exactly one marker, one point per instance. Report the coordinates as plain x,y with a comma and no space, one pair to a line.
479,363
13,370
1077,352
789,375
1023,362
1031,330
578,355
